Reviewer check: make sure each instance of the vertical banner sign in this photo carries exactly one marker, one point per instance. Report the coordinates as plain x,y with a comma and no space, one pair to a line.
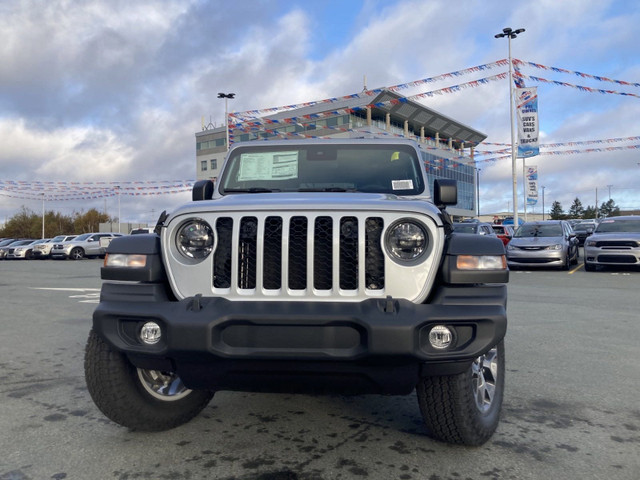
527,107
532,185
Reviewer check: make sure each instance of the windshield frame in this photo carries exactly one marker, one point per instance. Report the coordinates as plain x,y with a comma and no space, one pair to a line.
539,230
603,226
325,167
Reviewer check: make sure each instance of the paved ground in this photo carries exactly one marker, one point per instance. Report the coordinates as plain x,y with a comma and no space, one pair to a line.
571,407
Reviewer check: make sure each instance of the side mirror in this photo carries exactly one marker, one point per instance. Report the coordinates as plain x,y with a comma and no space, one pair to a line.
202,190
445,192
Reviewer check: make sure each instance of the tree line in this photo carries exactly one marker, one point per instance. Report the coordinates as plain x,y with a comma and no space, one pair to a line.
607,209
28,224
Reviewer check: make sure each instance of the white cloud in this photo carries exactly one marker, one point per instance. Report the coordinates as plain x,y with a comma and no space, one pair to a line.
115,91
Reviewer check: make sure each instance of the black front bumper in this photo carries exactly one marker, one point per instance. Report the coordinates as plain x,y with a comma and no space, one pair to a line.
377,345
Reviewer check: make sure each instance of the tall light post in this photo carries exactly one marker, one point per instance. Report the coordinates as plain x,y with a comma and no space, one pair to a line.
478,190
509,33
42,214
226,97
119,219
543,187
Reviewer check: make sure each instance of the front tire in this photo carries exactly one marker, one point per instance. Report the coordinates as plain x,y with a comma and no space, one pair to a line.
465,408
588,267
139,399
77,253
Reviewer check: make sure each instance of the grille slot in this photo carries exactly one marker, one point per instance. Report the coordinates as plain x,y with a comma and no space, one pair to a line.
247,253
322,253
374,259
617,244
222,257
298,253
298,227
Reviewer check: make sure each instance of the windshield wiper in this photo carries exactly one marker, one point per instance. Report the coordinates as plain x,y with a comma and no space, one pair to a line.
251,190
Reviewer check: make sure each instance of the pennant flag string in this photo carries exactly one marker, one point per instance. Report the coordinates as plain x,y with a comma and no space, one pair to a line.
563,144
52,196
571,72
566,152
578,87
374,92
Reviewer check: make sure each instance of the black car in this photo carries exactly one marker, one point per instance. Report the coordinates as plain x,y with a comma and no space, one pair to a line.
582,231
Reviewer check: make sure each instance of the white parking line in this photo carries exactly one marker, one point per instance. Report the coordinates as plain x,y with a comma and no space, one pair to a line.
88,295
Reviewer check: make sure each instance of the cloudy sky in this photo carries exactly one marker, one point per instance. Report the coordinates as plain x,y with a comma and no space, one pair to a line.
97,91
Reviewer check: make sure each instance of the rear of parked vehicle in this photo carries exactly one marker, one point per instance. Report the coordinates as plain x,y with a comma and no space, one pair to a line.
504,232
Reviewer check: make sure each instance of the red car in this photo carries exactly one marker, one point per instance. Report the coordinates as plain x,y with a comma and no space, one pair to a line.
504,232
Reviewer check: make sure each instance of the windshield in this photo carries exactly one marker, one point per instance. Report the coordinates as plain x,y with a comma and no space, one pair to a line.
527,231
323,168
83,236
618,226
59,238
464,228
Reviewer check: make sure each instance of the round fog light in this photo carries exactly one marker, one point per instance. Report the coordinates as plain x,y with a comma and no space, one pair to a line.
150,333
440,337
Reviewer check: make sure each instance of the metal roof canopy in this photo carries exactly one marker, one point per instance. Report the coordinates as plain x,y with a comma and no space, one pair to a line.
415,113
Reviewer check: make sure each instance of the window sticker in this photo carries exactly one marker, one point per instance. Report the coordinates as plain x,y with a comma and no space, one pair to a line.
402,184
268,166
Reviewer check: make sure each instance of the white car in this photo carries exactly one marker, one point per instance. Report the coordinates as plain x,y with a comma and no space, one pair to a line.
22,249
43,250
85,245
615,242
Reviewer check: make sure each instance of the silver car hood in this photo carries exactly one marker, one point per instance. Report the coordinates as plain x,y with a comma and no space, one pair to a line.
616,236
312,201
535,241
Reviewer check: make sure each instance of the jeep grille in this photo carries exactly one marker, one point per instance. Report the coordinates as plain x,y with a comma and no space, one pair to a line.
297,253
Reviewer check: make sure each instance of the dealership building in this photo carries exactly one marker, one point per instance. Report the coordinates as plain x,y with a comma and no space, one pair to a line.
447,145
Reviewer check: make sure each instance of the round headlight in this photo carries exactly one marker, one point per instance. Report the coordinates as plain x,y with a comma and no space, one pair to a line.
195,239
407,240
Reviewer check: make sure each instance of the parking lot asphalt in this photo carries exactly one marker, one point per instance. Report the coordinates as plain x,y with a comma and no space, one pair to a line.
570,411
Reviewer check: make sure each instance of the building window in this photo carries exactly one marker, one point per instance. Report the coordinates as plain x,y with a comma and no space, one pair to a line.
214,164
203,165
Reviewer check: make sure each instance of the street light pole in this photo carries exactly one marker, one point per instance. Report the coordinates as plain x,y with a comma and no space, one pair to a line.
478,190
119,219
507,32
543,187
42,214
226,97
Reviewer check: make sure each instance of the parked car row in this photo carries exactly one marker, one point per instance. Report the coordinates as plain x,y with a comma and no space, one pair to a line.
11,248
503,232
613,241
74,247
